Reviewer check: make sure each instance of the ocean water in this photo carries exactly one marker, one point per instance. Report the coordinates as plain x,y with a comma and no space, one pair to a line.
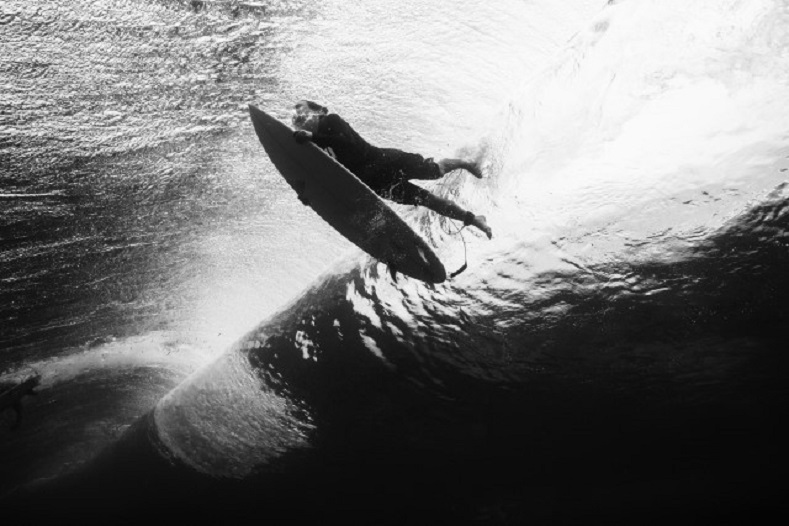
616,351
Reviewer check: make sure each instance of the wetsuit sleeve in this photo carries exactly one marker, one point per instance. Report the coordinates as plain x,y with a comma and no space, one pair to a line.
348,147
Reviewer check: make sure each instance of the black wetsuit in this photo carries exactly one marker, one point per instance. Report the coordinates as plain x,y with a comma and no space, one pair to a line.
385,170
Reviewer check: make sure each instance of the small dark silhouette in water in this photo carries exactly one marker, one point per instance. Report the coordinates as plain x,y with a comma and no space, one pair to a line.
11,396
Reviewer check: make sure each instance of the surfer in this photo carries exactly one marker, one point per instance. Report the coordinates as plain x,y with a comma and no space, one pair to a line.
386,171
11,396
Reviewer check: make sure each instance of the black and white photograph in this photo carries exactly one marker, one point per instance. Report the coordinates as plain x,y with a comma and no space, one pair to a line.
373,262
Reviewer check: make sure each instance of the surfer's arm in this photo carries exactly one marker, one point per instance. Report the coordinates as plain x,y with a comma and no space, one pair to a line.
331,130
302,136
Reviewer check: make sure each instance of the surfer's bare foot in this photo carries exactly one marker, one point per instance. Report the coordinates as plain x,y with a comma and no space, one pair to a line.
448,165
481,223
474,169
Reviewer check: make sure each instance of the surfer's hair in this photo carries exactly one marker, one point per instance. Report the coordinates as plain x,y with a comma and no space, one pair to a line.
317,108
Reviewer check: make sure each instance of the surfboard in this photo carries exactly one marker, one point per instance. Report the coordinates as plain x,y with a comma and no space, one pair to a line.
345,202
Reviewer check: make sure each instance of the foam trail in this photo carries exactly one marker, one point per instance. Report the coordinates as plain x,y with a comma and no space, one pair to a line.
652,102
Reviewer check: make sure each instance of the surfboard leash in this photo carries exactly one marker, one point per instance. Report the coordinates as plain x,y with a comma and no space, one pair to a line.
465,251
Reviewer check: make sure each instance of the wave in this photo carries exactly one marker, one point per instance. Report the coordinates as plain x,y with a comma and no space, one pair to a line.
629,307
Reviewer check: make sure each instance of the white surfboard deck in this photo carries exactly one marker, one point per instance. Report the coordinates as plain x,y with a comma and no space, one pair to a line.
346,203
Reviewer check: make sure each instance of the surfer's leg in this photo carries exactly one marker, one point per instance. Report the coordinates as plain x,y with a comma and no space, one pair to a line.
396,164
407,193
447,208
410,194
414,166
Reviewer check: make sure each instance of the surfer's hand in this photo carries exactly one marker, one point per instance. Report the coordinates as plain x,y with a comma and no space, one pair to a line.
302,136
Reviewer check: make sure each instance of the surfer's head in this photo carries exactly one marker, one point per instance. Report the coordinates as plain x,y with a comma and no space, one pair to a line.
306,115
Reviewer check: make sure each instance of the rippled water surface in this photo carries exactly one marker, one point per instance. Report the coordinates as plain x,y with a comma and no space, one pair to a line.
130,189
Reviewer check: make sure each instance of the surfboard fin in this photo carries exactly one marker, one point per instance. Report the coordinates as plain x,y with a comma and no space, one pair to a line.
301,186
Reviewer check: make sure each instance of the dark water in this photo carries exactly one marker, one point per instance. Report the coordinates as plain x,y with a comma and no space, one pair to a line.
616,353
627,407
